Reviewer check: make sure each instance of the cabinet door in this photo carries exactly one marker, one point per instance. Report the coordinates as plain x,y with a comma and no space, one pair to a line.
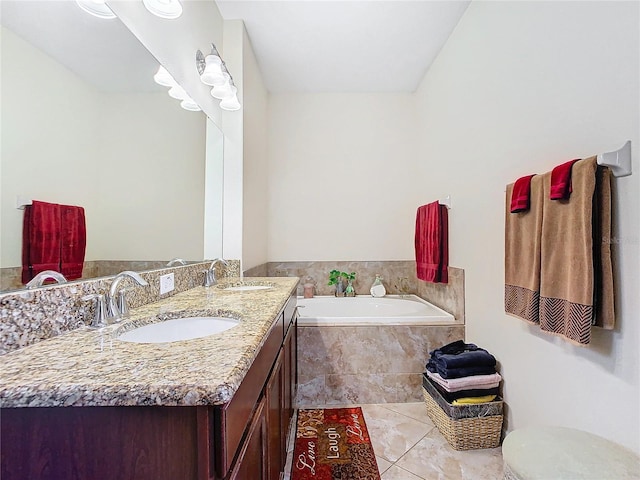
287,405
252,462
289,358
274,398
294,360
102,443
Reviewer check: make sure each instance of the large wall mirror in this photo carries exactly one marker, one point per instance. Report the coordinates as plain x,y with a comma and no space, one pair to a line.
84,124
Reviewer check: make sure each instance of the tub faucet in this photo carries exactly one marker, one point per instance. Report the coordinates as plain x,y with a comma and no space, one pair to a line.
117,305
210,273
176,261
39,279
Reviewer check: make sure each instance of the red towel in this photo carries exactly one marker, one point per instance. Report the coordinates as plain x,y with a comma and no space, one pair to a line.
73,241
561,181
521,194
432,243
40,239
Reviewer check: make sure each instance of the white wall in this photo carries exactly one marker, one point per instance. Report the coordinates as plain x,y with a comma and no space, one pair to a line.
342,177
48,136
255,171
151,179
134,161
519,88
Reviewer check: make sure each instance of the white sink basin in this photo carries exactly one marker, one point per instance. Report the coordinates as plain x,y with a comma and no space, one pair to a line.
178,329
245,288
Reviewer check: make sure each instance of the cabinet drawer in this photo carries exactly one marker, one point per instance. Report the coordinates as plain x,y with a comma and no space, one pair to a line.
231,419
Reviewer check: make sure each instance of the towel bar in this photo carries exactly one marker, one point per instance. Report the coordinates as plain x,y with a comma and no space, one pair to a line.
22,201
619,161
446,201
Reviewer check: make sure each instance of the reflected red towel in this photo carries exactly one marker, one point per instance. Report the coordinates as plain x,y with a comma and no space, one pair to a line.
561,181
40,239
73,241
520,197
432,243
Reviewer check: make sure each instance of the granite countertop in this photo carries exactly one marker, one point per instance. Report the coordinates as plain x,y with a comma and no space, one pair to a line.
91,367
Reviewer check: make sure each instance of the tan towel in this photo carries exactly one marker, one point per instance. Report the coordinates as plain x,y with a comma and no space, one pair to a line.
567,274
604,295
522,255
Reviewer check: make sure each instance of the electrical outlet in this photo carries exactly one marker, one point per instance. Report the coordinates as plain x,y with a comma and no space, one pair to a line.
166,283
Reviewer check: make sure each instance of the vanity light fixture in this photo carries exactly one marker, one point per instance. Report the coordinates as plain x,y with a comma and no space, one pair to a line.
164,78
170,9
189,104
97,8
223,89
178,92
230,103
213,72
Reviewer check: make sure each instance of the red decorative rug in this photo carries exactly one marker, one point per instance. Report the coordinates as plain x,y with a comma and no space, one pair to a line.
333,444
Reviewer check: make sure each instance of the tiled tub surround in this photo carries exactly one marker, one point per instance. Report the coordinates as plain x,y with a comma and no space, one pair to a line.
399,277
29,316
90,367
368,364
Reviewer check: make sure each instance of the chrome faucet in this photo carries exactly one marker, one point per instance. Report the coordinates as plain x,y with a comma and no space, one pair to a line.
210,274
39,279
100,312
117,305
176,261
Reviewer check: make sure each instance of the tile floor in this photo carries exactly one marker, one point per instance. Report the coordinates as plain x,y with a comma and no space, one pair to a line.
409,447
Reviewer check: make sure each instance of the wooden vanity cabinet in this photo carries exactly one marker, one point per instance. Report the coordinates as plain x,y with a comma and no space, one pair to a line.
252,460
244,439
263,442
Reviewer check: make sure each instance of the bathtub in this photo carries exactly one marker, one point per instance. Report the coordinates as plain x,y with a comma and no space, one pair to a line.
365,310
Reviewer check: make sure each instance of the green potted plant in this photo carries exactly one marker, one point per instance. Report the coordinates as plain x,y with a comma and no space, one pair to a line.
337,278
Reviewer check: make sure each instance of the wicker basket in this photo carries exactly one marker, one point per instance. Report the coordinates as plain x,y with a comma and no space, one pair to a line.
465,433
457,412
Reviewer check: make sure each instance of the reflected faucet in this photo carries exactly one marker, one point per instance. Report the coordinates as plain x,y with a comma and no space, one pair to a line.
210,274
176,261
117,307
39,279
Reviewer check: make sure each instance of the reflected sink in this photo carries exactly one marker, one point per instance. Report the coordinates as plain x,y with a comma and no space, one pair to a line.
177,329
245,288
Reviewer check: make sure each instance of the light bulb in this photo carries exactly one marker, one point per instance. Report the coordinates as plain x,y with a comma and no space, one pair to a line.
222,80
164,78
222,91
230,104
178,93
97,8
164,8
189,104
212,74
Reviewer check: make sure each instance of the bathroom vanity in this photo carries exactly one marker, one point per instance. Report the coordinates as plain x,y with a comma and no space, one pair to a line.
86,405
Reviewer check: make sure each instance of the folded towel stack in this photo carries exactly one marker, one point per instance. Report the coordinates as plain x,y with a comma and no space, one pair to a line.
464,373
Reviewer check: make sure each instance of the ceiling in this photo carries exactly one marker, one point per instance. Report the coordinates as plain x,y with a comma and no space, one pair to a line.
300,45
102,52
345,46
